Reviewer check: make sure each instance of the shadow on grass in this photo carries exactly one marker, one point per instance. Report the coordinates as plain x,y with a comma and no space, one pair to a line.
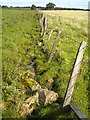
52,113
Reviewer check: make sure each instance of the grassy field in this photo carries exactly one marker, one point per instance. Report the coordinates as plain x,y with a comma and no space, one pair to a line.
74,27
21,35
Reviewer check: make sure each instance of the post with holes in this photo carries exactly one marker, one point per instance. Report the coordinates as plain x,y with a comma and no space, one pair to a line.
74,74
50,34
54,46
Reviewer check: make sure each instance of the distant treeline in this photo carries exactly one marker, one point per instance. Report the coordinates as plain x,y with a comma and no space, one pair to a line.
59,8
44,8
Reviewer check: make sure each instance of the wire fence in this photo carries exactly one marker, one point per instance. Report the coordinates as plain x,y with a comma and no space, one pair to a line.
74,71
65,49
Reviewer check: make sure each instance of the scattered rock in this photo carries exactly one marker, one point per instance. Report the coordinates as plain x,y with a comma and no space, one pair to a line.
28,106
45,96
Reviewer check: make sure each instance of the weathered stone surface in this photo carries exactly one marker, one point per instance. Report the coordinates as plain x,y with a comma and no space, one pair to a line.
45,96
28,106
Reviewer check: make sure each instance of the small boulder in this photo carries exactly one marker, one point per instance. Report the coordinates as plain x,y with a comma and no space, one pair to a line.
28,106
45,96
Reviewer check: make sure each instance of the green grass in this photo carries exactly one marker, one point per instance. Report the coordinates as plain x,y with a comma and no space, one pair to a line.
21,33
73,25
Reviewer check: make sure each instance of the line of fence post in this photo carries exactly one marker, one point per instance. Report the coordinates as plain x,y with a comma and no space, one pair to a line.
50,34
54,47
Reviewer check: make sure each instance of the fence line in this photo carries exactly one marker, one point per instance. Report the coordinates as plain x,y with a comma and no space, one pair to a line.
54,46
50,34
73,77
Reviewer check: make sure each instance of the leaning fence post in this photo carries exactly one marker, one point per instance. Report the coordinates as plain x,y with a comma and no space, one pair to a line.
74,74
54,46
50,34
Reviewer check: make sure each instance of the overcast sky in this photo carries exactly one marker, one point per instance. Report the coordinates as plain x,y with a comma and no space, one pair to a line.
59,3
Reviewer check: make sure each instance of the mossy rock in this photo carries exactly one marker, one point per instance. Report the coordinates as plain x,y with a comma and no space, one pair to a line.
28,106
33,84
27,74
